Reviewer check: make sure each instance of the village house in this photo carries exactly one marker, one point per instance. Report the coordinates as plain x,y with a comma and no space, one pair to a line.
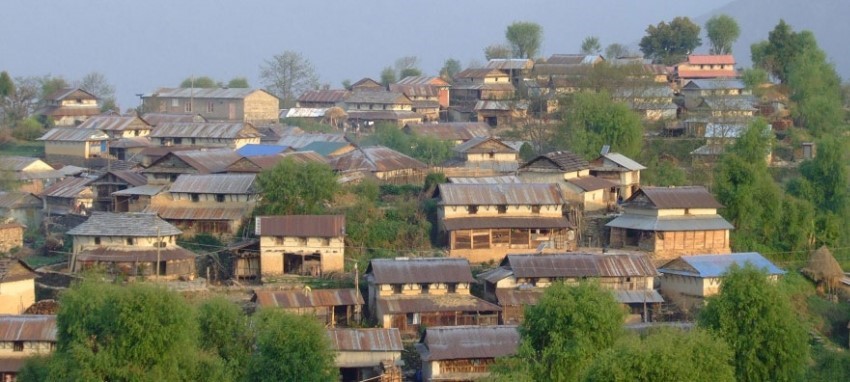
716,87
619,169
112,181
705,66
498,113
257,164
26,174
410,293
167,168
11,234
385,164
155,119
69,107
132,244
669,222
24,207
572,173
332,307
215,104
69,196
520,280
719,137
17,286
367,353
129,149
118,126
136,199
442,87
367,108
232,135
74,146
453,132
473,85
464,353
367,84
23,337
653,103
485,222
517,69
688,280
484,153
301,244
215,204
322,99
590,193
561,73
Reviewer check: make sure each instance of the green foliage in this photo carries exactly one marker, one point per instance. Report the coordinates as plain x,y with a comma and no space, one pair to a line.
7,86
664,355
592,120
751,314
616,50
663,173
816,89
35,369
590,45
567,329
426,149
50,85
238,82
525,38
28,130
497,51
753,77
224,332
291,188
830,365
526,152
291,348
409,72
669,44
202,242
722,31
778,53
202,82
388,76
432,180
308,125
449,69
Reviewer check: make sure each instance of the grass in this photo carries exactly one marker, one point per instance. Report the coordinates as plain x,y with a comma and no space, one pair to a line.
37,261
23,148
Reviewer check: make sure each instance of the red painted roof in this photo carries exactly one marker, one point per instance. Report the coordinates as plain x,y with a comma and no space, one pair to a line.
711,59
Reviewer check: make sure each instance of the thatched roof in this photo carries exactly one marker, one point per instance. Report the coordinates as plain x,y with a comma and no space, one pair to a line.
822,266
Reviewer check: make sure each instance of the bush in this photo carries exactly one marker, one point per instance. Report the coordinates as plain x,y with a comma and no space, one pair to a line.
28,130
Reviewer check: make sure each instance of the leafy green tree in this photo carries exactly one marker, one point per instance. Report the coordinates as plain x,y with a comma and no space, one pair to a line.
449,69
816,89
288,75
590,45
616,50
564,332
202,82
7,86
427,149
670,43
291,348
410,72
28,130
753,77
755,318
664,355
592,120
525,38
407,66
497,51
50,85
388,76
224,332
777,55
238,83
663,173
722,31
291,188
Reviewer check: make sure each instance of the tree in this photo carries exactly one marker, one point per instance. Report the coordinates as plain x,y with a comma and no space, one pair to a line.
753,77
50,85
449,69
592,120
616,50
525,38
224,332
409,72
816,89
778,54
388,76
202,82
22,101
238,83
97,84
698,357
669,44
755,318
7,86
497,51
565,331
291,348
287,75
407,66
722,31
291,188
591,45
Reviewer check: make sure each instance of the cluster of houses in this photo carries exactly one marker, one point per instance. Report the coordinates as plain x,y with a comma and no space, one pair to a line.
129,187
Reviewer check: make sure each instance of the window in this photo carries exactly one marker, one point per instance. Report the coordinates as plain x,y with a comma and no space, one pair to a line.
97,241
492,155
472,210
397,288
452,288
413,318
535,209
425,288
178,141
175,102
195,197
187,107
503,209
18,346
130,241
219,198
210,107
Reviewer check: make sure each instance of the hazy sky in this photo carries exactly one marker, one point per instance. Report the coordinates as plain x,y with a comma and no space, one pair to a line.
142,45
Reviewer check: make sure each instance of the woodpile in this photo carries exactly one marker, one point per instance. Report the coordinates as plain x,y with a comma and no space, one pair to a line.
43,307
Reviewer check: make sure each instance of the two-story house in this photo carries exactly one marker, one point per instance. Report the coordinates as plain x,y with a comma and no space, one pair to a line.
483,155
69,106
385,164
473,85
74,146
113,181
215,204
520,280
23,337
669,222
572,173
366,108
232,135
705,66
72,195
365,354
652,102
619,169
442,87
132,244
716,87
464,353
301,244
215,104
409,293
485,222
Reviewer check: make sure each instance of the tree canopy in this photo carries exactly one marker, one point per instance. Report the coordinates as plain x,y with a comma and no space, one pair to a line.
525,38
238,83
202,82
7,86
497,51
291,347
288,75
292,188
593,119
722,31
670,44
590,45
449,69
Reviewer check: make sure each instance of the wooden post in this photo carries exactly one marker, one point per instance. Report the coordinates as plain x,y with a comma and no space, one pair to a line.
158,249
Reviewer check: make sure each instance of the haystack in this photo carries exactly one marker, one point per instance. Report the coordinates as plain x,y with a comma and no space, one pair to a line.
823,268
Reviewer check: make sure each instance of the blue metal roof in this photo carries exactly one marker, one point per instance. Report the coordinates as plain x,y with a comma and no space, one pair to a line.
716,265
324,148
254,150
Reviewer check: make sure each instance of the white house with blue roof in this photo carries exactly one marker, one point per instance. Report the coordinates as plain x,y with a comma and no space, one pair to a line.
693,278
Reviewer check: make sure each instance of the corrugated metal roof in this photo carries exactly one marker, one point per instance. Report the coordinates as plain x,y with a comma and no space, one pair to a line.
638,296
480,73
68,187
563,161
485,180
17,163
12,269
420,270
12,200
673,197
518,297
500,105
684,73
416,90
624,161
715,84
132,254
154,119
378,97
61,94
230,93
324,96
662,91
114,123
452,131
398,304
579,265
455,224
124,224
744,103
205,161
324,148
35,327
130,142
383,115
73,134
218,130
304,112
472,146
671,223
253,150
301,225
510,63
199,213
215,184
148,190
293,299
500,194
469,342
422,80
298,141
591,183
367,340
716,265
711,59
131,177
375,159
573,59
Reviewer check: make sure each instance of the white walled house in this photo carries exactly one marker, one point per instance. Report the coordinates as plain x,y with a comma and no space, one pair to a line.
301,244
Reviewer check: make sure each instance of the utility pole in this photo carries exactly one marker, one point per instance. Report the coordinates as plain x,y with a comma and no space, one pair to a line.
158,249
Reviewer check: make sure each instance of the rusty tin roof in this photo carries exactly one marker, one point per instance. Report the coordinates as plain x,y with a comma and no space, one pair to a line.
374,159
468,342
420,270
214,184
217,130
299,298
579,265
369,340
28,328
301,225
500,194
673,197
434,303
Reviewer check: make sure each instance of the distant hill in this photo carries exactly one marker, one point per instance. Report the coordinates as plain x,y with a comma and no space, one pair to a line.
827,19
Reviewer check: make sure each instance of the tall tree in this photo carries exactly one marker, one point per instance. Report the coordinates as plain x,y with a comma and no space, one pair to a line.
497,51
778,54
97,84
224,331
7,86
291,348
407,66
592,120
525,38
202,82
291,188
22,101
449,69
816,89
722,31
670,43
238,83
388,76
616,50
50,84
287,75
591,45
755,318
